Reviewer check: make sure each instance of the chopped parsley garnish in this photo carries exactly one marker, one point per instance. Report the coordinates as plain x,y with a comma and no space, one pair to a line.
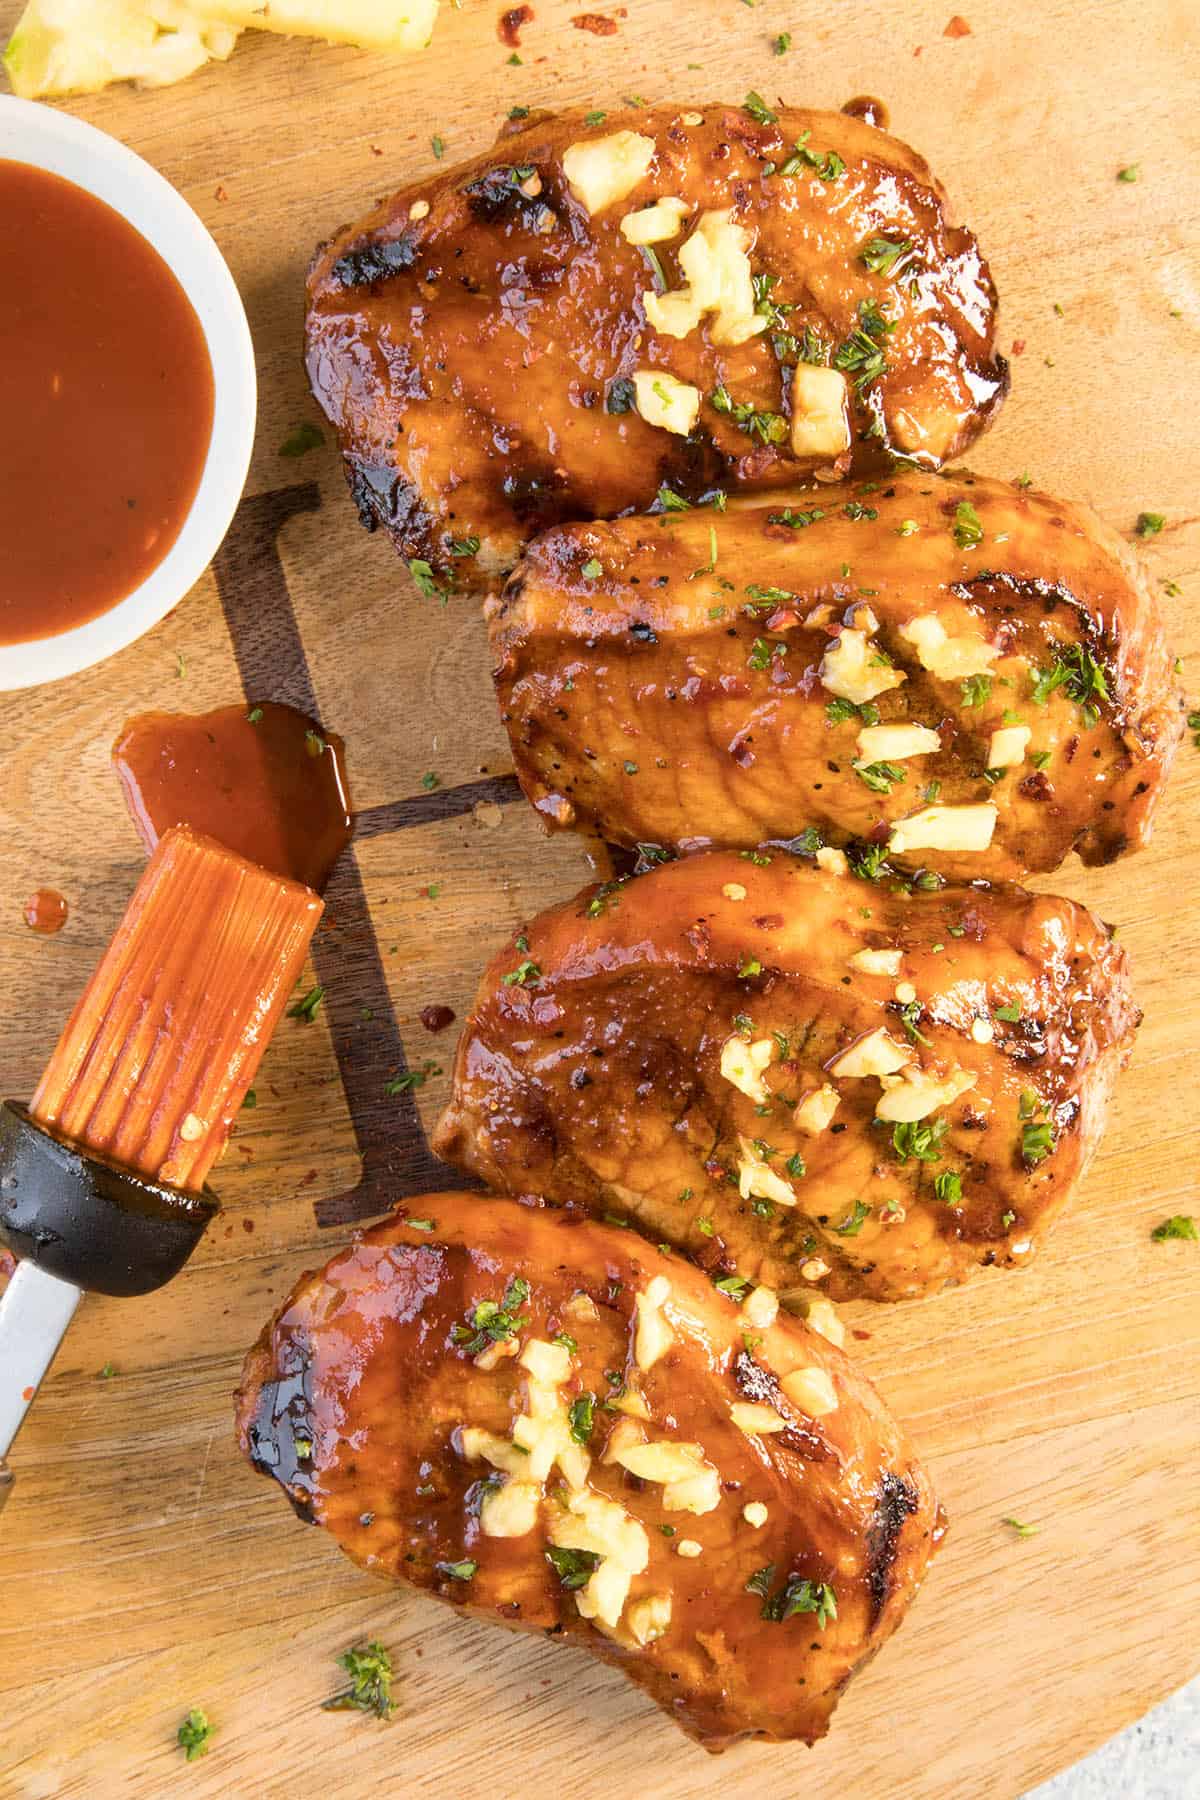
773,311
1132,172
759,111
839,711
860,355
493,1320
796,520
907,528
1076,671
370,1670
458,1571
1011,1013
467,546
854,1220
573,1567
438,146
526,974
948,1187
567,1341
976,690
308,1008
763,652
748,966
430,781
881,254
411,1078
594,118
733,1285
968,527
107,1372
1150,524
254,715
193,1735
797,1595
306,437
783,43
1182,1225
427,586
879,776
1020,1529
919,1139
421,1224
910,1013
667,500
582,1416
767,596
826,163
592,569
1037,1134
768,427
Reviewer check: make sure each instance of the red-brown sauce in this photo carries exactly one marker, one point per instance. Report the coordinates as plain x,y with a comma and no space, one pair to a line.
867,108
511,23
45,912
106,405
261,779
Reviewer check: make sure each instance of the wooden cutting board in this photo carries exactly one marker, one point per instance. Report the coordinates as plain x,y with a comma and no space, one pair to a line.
143,1569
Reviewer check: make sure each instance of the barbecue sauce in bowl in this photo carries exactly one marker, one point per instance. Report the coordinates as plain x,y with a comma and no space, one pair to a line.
106,405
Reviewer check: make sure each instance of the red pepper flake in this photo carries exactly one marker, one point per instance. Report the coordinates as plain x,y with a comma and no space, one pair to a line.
856,1332
1018,347
436,1018
222,192
248,1225
27,1394
376,149
511,23
957,27
597,23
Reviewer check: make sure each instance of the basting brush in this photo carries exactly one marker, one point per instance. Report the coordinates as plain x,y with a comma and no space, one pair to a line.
102,1176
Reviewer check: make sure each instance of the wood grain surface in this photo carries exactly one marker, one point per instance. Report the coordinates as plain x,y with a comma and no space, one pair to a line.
143,1569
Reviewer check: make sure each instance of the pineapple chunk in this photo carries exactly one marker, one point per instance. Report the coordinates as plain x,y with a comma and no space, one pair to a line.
853,668
601,171
820,423
664,401
371,24
79,46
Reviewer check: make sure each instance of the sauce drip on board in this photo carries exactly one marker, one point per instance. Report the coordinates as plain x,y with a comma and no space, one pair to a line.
870,110
261,779
45,912
106,405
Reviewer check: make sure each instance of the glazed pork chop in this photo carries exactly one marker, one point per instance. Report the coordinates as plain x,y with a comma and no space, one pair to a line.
732,297
865,1087
557,1427
968,673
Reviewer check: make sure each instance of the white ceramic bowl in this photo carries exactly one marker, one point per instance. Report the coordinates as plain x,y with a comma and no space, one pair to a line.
53,140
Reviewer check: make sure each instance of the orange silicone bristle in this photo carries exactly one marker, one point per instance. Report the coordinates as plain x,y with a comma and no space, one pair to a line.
157,1056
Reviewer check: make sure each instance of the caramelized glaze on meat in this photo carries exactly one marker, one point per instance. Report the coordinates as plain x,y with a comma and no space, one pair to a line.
388,1412
647,703
671,1049
474,339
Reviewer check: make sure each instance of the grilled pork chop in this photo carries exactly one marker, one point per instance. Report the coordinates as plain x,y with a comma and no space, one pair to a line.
804,1078
726,297
972,674
557,1427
